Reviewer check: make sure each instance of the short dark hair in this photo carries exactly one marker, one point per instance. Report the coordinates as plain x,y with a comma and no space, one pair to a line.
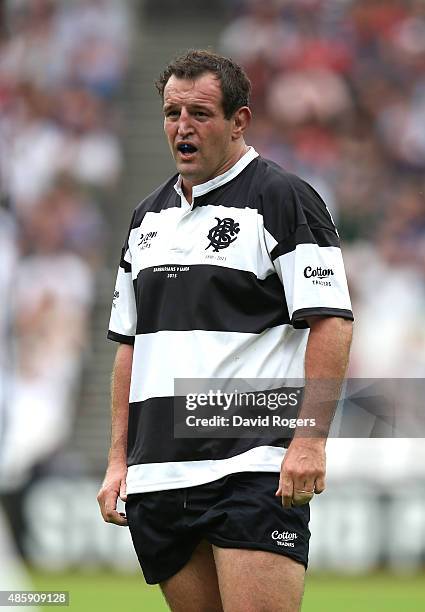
235,85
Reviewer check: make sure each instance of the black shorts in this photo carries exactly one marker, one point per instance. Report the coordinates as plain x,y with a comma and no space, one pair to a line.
237,511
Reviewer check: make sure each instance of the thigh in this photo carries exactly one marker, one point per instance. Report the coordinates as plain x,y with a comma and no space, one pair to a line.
195,587
258,581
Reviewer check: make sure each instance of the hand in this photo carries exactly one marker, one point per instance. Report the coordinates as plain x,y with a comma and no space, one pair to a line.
113,486
303,471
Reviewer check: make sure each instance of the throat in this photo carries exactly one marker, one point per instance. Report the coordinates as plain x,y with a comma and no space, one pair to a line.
187,191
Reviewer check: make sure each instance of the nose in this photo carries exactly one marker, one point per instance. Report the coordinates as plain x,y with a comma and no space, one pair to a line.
185,127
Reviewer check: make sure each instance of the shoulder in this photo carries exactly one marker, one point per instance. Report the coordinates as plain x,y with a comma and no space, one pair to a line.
275,180
287,202
269,174
162,197
284,192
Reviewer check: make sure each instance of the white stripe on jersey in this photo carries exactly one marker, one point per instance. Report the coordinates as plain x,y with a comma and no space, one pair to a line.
179,474
212,354
182,239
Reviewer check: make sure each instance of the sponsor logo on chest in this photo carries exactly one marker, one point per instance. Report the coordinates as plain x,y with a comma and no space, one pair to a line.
145,240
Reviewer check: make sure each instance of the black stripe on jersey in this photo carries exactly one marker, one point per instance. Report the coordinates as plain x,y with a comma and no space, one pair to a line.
125,265
151,437
210,298
304,234
240,192
165,196
120,338
299,316
288,203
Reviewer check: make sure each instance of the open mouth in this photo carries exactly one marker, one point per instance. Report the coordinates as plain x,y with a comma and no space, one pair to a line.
186,148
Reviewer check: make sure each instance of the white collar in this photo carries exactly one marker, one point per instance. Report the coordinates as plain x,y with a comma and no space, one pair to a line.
221,179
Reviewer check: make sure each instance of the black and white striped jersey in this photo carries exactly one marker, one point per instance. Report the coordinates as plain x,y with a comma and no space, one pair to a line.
219,289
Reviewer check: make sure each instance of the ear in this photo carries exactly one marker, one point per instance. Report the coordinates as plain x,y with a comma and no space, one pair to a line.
241,121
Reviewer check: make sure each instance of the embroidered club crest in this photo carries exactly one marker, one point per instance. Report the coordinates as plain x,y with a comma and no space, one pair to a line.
223,234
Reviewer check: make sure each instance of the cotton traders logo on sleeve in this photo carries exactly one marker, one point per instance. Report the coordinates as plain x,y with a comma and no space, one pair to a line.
319,276
223,234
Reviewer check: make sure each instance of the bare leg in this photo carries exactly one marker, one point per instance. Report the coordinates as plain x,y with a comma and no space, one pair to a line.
195,587
257,581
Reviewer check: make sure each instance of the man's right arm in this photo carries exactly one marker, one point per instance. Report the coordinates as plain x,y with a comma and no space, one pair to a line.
114,484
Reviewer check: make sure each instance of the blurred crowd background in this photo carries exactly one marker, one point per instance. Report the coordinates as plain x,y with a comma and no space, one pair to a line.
62,66
62,69
338,98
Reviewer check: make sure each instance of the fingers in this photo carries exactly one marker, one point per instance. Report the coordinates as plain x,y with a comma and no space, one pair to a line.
302,472
112,515
296,489
107,500
285,490
319,485
305,485
302,496
114,486
306,494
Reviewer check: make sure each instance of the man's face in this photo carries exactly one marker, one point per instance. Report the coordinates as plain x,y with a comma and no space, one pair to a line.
199,136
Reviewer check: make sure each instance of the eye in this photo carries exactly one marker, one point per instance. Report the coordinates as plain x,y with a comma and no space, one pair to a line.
171,113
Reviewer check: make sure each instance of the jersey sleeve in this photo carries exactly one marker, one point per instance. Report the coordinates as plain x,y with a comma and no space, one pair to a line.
304,247
122,324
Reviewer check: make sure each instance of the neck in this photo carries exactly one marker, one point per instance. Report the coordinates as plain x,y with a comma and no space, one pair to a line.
188,185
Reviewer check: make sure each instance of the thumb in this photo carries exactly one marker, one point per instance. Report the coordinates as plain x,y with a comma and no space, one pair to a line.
123,491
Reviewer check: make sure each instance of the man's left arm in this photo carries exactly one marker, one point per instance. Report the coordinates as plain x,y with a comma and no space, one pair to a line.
304,465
